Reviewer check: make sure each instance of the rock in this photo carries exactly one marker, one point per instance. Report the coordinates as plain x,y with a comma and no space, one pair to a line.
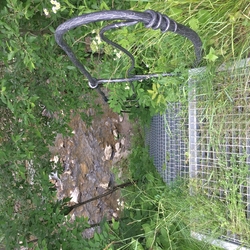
121,118
117,147
74,195
123,141
55,159
108,152
115,120
115,133
105,179
104,185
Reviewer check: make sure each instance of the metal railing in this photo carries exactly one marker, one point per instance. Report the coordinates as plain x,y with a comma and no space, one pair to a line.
150,18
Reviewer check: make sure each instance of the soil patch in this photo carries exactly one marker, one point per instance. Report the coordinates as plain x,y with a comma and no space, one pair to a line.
87,158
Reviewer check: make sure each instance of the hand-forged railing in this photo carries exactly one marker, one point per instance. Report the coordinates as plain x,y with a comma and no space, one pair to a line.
150,18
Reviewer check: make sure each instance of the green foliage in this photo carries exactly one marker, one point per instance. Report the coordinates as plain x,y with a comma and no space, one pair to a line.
35,73
153,217
222,26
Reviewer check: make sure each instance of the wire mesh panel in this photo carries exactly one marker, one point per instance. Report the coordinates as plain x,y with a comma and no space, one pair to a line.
167,140
219,147
213,149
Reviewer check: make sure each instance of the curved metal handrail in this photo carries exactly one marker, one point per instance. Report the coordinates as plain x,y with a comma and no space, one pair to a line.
150,18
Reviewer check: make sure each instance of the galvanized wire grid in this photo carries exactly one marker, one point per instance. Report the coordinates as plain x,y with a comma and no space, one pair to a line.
213,146
167,140
219,143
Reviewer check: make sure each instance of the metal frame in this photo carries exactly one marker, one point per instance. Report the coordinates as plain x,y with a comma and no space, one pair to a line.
150,18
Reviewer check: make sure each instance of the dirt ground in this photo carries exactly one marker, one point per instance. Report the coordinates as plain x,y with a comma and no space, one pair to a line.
88,157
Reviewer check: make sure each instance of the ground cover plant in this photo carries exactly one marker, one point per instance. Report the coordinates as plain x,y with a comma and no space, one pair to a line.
37,75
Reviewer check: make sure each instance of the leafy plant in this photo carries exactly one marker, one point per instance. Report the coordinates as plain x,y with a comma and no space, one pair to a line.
152,217
37,78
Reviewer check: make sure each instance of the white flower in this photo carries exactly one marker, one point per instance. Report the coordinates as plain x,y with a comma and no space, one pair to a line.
127,86
46,12
119,54
53,2
54,9
56,6
98,40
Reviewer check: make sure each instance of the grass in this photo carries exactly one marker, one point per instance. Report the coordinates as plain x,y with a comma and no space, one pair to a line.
158,220
220,197
218,202
221,25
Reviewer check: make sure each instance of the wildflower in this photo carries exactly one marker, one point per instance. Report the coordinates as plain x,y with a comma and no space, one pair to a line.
118,54
95,43
46,12
98,40
56,6
127,86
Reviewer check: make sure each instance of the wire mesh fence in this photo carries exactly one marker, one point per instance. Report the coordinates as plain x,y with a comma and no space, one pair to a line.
219,140
212,146
168,144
